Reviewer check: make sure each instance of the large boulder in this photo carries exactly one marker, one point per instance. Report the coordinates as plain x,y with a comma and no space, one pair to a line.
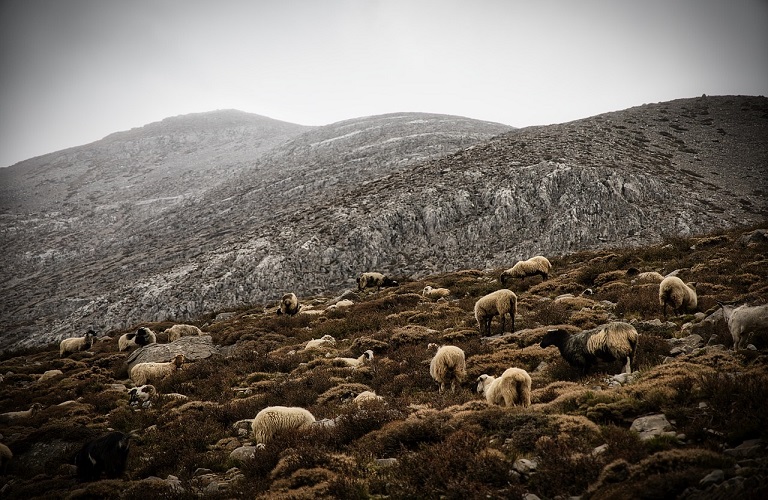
193,348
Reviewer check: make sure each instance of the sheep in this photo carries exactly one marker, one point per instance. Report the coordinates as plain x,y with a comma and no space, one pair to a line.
364,358
435,293
140,396
512,388
13,416
448,366
745,320
325,340
5,457
366,396
647,277
177,331
274,419
143,336
75,344
344,303
372,279
680,296
611,342
107,454
289,304
142,373
498,303
531,267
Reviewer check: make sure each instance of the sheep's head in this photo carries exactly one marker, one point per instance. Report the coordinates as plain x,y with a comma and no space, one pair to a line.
553,337
431,346
178,361
484,381
368,355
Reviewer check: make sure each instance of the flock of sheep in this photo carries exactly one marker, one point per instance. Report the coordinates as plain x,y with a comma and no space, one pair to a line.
610,342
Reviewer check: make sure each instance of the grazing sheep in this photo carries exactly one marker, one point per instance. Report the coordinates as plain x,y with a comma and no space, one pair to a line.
273,419
611,342
678,295
139,396
435,293
363,359
378,280
745,320
289,304
107,454
366,396
325,340
141,373
177,331
5,457
647,277
448,366
498,303
340,305
531,267
512,388
13,416
75,344
143,336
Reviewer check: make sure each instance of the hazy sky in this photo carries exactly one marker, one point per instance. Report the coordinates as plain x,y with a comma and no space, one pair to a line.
74,71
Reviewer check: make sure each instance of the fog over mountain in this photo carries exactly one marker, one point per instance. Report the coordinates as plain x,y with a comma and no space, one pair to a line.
201,213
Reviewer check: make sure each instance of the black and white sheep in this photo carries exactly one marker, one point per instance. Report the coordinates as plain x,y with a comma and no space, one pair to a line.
679,296
324,341
745,320
177,331
289,305
13,416
535,265
498,303
373,279
141,337
141,395
142,373
512,388
75,344
611,342
274,419
5,457
435,293
107,455
448,366
361,360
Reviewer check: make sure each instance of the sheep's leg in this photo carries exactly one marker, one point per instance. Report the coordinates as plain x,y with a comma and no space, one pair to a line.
627,368
502,317
513,321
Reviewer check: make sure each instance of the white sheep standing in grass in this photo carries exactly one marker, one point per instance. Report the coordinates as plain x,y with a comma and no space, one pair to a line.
744,320
361,360
273,419
611,342
498,303
676,294
324,341
177,331
435,293
512,388
142,373
143,336
535,265
13,416
448,366
289,305
75,344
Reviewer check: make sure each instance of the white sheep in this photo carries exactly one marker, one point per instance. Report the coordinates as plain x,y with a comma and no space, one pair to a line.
745,320
177,331
325,340
435,293
143,336
373,279
366,396
512,388
273,419
139,396
676,294
363,359
141,373
531,267
498,303
289,304
344,303
75,344
611,342
13,416
647,277
448,366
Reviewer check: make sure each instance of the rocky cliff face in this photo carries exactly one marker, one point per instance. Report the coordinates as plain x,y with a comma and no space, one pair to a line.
408,195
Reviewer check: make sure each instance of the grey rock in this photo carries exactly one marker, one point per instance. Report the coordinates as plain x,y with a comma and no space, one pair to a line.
243,453
651,426
193,348
716,476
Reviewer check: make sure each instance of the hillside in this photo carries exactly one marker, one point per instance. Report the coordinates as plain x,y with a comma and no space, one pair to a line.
578,437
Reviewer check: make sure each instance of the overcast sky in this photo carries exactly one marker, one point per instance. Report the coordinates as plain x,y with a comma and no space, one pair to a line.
74,71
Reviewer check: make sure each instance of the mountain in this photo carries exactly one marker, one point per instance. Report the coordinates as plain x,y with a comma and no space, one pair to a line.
79,225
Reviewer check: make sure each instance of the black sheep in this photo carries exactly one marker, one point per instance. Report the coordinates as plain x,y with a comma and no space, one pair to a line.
611,342
107,454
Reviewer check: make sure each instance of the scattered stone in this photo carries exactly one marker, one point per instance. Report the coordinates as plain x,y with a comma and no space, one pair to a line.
524,466
243,453
748,449
651,426
386,462
714,477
